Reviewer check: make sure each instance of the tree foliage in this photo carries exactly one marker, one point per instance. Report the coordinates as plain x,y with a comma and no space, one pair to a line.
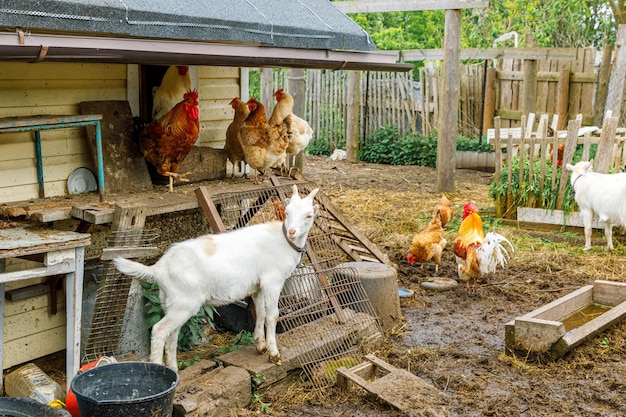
553,23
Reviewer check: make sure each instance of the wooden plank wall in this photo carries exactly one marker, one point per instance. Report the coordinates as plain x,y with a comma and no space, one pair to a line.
216,88
49,89
57,89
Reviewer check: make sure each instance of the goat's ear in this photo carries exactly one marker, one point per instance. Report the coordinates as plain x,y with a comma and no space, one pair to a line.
569,167
316,208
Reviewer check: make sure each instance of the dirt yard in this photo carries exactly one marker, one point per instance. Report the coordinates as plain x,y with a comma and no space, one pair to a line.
455,341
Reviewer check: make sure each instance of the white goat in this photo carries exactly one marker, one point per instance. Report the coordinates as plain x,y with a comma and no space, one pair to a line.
218,269
601,194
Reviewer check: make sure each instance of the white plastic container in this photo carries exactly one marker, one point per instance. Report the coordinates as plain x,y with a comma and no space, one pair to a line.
31,382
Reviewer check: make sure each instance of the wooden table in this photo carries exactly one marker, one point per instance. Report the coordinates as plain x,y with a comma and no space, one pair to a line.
38,123
60,252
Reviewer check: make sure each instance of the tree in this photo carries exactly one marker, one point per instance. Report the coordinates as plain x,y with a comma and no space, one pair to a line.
554,23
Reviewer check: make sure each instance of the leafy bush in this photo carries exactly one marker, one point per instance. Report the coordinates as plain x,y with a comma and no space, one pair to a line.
319,147
386,147
192,333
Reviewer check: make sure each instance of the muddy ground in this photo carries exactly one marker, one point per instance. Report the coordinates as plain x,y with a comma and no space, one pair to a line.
455,341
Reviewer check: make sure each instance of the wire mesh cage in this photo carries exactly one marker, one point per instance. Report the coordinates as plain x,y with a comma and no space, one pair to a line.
323,307
112,301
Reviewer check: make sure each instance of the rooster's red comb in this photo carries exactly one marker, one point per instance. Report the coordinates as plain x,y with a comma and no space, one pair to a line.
471,207
191,94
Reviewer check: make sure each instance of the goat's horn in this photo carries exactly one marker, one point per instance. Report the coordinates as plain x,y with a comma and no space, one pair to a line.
312,194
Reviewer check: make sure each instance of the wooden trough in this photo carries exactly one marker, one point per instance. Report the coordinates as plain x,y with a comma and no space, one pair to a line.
563,324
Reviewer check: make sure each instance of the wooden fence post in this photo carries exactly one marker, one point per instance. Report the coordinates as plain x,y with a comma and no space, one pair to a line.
604,76
446,147
489,110
616,85
562,98
352,119
604,153
530,86
568,153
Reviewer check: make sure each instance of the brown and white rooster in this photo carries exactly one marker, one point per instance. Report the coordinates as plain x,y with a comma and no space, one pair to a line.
476,253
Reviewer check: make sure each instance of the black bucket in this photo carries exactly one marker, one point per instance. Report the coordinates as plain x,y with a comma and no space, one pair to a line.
26,407
138,389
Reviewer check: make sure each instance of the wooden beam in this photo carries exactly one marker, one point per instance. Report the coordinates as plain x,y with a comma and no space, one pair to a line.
446,146
409,55
368,6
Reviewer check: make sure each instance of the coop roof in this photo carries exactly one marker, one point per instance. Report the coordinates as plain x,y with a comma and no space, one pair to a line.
289,33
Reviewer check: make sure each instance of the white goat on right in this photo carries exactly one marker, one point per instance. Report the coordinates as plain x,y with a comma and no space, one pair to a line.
600,194
218,269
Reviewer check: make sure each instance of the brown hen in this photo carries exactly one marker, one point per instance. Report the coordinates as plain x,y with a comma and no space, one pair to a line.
264,145
428,244
232,147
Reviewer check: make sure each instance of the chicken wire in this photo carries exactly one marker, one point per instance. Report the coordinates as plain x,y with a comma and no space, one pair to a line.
324,308
113,303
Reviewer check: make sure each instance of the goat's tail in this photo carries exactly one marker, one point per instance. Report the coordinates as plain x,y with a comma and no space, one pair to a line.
134,269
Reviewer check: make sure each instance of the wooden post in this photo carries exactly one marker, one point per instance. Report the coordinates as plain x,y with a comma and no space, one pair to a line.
604,153
530,86
573,127
616,85
489,110
267,95
296,86
446,147
602,91
352,119
562,98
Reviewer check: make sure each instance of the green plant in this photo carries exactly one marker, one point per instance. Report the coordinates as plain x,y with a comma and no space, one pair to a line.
243,338
187,363
319,147
192,333
259,404
386,146
527,192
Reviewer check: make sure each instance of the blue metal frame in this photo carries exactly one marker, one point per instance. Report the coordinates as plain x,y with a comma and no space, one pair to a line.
39,123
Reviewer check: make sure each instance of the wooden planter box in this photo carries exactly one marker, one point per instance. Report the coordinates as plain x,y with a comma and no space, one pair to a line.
555,329
557,217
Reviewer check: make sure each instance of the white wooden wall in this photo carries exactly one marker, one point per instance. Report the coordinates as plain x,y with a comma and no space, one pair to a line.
49,89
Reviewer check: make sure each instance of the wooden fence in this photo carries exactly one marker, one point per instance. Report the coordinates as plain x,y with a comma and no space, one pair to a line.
563,87
566,88
531,179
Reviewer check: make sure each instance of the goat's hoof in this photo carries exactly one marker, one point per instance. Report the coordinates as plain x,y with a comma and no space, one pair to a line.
276,360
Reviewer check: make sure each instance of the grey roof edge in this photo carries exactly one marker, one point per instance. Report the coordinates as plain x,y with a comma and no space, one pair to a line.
49,47
310,24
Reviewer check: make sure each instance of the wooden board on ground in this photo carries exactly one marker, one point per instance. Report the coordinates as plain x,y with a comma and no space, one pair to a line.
398,387
125,168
